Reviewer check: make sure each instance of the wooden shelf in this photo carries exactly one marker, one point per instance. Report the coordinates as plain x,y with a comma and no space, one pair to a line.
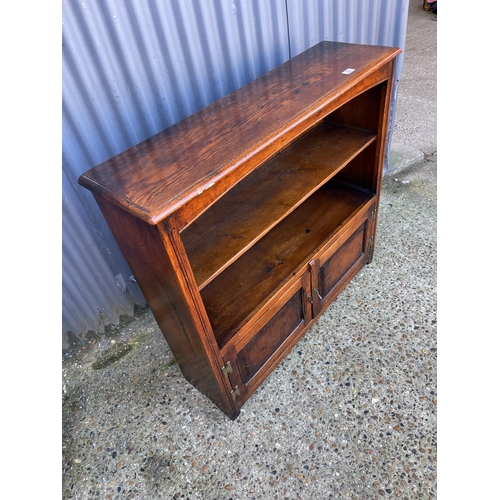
261,200
277,257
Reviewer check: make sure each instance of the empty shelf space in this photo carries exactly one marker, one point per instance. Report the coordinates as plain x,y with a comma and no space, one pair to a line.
243,288
265,197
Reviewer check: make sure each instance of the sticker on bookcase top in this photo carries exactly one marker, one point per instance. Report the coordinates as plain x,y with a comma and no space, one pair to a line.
348,71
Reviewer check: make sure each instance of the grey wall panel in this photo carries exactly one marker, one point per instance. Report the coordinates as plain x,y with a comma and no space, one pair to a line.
130,69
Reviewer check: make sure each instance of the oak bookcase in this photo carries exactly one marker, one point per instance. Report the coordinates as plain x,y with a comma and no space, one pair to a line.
242,222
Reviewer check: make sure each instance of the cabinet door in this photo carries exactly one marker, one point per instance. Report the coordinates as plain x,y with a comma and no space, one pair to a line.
334,268
255,354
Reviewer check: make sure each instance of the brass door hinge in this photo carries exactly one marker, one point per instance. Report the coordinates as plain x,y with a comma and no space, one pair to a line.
235,392
226,370
370,245
374,213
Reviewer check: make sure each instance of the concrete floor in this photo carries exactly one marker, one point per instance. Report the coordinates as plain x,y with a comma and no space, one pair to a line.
349,413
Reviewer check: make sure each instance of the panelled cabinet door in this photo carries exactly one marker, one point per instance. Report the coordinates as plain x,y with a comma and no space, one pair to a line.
256,352
338,264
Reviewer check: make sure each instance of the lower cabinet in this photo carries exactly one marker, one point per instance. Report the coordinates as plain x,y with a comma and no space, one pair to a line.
256,350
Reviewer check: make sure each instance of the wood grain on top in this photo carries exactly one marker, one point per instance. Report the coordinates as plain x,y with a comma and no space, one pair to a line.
157,176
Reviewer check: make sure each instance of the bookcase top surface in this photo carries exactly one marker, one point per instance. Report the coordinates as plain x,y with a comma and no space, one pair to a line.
157,176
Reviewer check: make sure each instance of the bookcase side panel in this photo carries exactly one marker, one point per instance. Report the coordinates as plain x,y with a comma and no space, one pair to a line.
383,126
162,283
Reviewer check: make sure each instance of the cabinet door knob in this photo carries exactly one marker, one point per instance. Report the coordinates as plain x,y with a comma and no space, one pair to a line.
317,293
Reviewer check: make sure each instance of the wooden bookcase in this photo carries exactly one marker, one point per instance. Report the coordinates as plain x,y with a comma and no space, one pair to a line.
244,221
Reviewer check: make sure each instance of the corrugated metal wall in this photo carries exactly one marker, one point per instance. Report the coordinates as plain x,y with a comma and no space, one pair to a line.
132,68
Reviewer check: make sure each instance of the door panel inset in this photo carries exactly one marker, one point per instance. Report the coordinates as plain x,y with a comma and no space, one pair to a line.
341,261
264,343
